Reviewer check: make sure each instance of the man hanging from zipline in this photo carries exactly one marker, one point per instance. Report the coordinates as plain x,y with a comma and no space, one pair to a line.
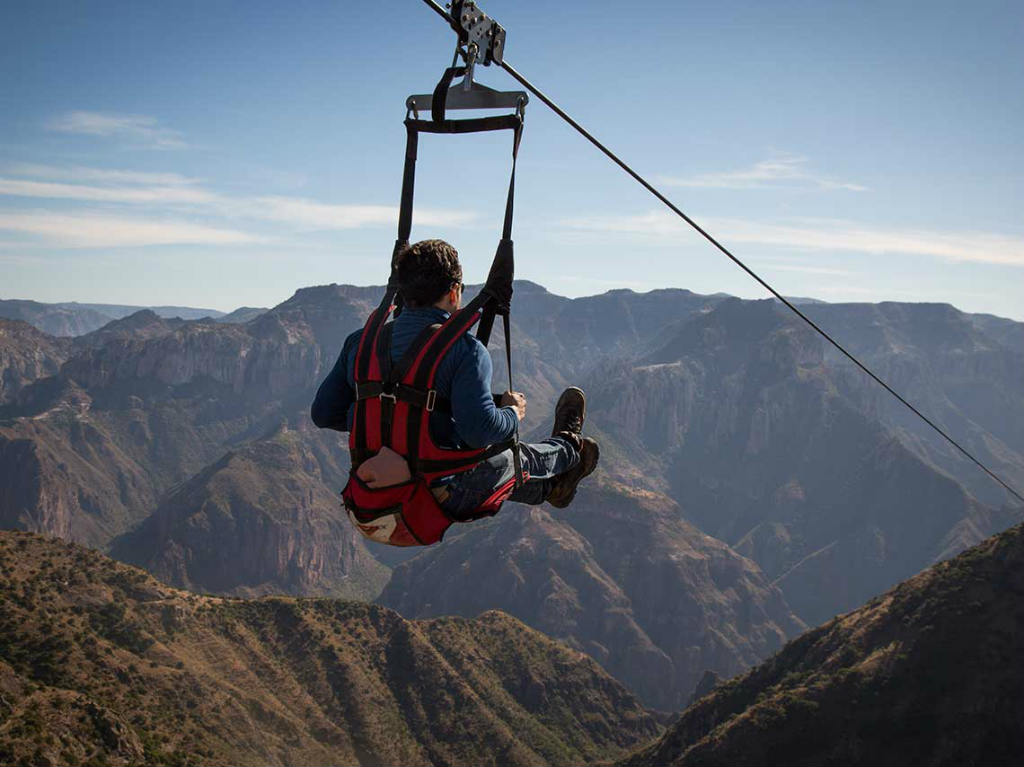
424,369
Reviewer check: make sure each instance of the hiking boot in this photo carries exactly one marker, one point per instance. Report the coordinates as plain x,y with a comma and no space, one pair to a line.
570,411
565,486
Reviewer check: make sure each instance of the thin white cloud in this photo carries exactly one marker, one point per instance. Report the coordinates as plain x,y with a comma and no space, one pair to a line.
310,214
173,194
826,271
313,215
82,174
141,130
179,210
782,171
823,235
95,230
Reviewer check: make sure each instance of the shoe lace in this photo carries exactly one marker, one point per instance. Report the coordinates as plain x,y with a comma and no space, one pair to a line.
574,420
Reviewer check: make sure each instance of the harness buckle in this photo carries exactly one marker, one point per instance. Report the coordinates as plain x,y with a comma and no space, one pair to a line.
431,400
389,395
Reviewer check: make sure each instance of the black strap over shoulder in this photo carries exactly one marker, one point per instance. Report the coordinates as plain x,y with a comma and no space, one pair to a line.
391,388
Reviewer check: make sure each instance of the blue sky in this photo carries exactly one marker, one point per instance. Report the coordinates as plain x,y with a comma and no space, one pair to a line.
225,154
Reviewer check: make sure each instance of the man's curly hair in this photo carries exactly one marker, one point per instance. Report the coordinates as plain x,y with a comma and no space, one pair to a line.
426,271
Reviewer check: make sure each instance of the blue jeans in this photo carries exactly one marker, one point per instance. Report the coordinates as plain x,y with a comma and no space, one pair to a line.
543,460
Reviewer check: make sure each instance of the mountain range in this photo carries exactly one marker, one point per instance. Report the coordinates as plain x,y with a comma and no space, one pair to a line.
70,318
751,485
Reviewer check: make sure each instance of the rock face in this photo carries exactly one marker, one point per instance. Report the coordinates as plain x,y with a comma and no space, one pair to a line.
27,355
261,520
762,452
621,577
147,402
964,372
930,673
67,474
103,664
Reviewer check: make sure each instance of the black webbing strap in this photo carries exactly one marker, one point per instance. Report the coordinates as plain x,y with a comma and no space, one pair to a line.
517,459
387,398
408,184
502,272
453,464
439,100
439,339
360,450
499,287
469,125
392,374
430,400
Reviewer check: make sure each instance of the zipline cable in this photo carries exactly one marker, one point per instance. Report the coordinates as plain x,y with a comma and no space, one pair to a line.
706,235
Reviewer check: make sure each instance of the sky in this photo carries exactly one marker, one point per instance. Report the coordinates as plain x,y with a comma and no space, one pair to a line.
226,154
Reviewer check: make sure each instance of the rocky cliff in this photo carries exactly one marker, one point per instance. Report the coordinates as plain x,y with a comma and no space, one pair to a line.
264,519
965,374
763,451
146,403
929,673
27,355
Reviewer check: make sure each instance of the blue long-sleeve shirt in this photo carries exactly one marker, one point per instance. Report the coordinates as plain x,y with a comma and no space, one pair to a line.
464,377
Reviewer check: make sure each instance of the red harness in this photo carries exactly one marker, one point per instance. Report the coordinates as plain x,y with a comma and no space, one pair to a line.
394,402
393,407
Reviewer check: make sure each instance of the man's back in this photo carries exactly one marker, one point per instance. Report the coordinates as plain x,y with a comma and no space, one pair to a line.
463,379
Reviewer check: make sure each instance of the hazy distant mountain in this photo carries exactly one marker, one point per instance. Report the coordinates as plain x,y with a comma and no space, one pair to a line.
930,673
117,311
55,319
242,314
70,318
101,664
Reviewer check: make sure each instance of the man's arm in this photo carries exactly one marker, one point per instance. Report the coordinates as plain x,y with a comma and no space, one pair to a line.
478,421
335,396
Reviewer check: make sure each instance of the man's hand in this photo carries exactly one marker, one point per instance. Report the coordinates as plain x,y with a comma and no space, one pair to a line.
515,400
